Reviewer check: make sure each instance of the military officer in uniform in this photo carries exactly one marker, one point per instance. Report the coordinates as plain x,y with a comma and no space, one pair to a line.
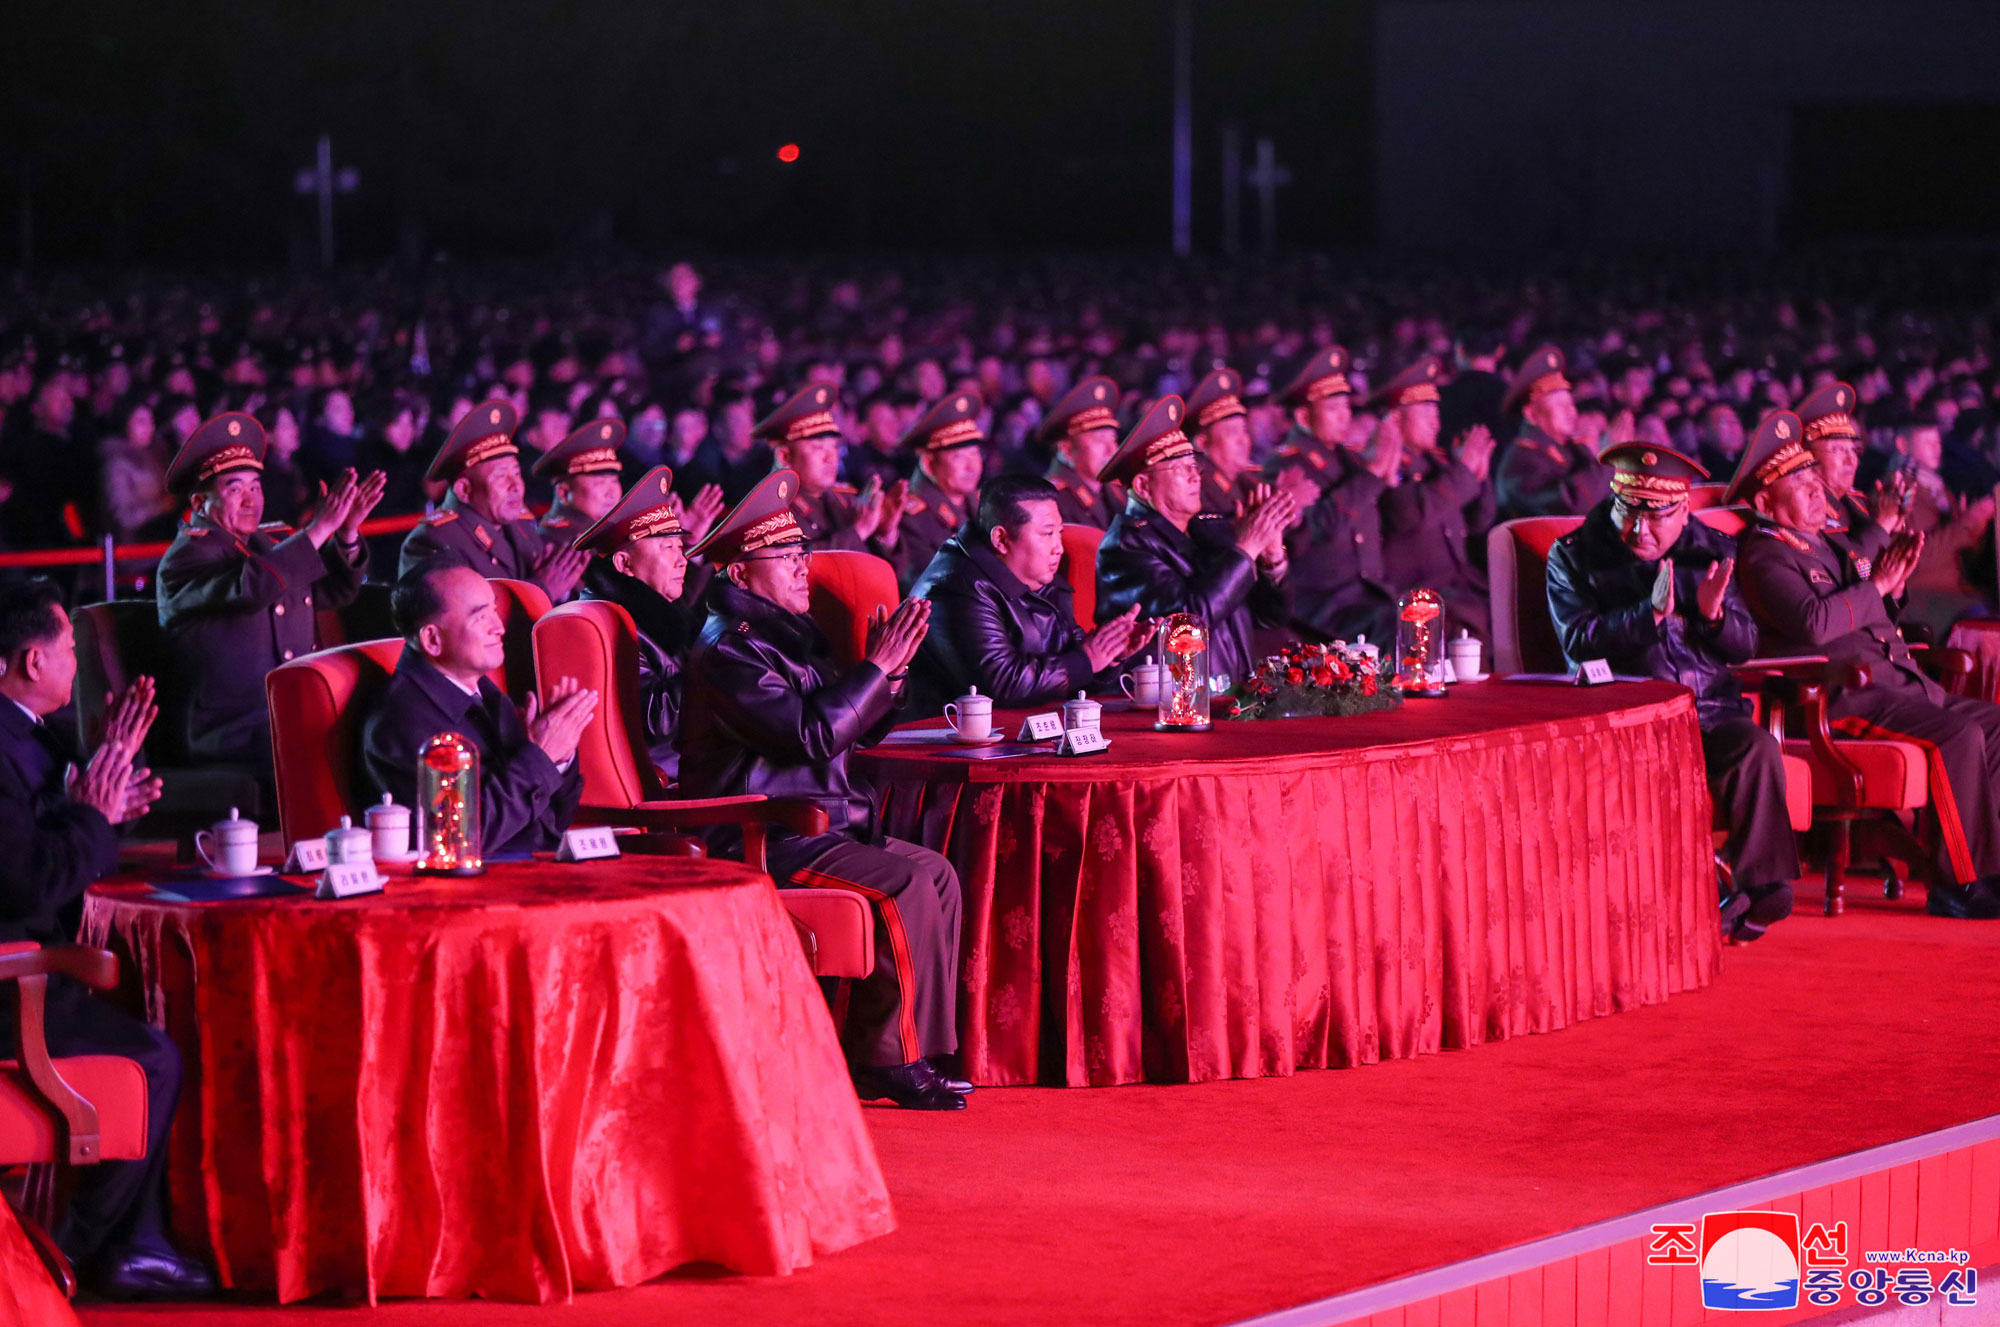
1648,590
1442,502
767,712
1812,594
1339,590
949,464
584,467
1082,428
639,562
1545,472
1219,424
805,440
1831,436
1164,556
236,600
484,523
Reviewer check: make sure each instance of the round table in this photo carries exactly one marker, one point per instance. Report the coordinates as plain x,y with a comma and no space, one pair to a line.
545,1079
1304,893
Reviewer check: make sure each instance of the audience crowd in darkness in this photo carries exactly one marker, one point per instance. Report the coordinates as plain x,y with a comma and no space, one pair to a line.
102,378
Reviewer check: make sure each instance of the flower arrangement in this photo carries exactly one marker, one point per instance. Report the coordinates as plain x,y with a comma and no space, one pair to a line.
1302,680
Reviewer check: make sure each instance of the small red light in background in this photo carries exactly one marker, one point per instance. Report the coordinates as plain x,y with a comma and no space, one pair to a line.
788,153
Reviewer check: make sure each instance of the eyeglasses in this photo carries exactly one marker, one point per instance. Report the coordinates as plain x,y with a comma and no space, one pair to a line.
797,557
1637,515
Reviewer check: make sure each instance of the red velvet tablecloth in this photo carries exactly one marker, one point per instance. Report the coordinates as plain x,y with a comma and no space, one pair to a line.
28,1296
550,1078
1980,638
1307,893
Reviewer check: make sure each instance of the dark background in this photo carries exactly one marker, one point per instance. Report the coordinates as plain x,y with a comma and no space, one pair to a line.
171,132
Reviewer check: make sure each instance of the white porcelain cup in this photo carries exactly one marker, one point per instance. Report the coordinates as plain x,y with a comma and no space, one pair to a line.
389,827
229,846
1143,683
1083,712
348,846
1464,655
971,716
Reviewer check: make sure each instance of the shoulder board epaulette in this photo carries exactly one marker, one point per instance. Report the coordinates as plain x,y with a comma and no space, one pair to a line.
915,506
440,517
847,490
195,531
1317,459
1779,532
557,522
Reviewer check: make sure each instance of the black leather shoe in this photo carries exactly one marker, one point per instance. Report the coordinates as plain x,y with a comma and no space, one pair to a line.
1733,909
913,1086
151,1274
1968,902
943,1066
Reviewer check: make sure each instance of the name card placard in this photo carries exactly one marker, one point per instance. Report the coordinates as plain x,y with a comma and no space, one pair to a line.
1593,673
307,855
1041,727
1083,742
587,845
347,879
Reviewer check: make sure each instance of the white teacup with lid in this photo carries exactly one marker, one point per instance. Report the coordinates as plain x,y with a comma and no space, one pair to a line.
970,716
389,830
229,846
1083,712
348,846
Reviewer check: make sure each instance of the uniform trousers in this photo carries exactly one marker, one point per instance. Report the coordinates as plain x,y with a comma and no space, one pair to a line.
1746,780
907,1008
117,1204
1961,742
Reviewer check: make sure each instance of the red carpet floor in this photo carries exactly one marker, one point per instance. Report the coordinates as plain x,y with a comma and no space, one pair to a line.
1163,1205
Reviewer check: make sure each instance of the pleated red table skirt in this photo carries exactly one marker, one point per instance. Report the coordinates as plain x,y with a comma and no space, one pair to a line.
1310,893
547,1079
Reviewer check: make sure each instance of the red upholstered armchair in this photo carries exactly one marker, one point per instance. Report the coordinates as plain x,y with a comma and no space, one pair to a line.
596,643
1079,569
847,588
79,1109
521,604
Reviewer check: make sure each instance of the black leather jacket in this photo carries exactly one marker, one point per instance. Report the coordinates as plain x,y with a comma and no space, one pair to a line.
1020,646
1601,597
765,712
1144,560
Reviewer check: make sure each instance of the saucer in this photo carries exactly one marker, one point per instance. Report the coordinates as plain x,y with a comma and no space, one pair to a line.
214,874
1474,677
987,740
398,857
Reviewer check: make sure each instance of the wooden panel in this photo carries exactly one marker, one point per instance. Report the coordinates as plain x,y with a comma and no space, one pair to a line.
1627,1295
1593,1288
1985,1193
1393,1318
1491,1299
1524,1299
1902,1206
1458,1308
1873,1230
1422,1315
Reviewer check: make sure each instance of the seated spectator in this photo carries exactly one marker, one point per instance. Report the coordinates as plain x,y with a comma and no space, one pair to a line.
1547,471
135,477
1648,590
57,835
1082,428
949,467
1163,556
584,468
529,784
767,713
805,439
640,563
1813,596
1002,617
1219,423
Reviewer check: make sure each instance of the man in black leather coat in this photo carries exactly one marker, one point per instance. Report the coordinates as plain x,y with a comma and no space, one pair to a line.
1648,590
1164,556
1002,618
640,564
766,712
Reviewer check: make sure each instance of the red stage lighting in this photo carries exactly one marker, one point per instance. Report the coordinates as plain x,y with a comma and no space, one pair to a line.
788,153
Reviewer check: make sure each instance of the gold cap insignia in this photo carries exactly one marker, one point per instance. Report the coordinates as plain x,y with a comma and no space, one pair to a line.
1173,412
663,485
606,432
1649,458
784,489
494,416
1782,429
235,427
959,404
1098,392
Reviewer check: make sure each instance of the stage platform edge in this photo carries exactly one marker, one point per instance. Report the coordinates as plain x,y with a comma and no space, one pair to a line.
1934,1191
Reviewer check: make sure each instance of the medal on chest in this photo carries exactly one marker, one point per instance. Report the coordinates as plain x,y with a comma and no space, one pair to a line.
485,539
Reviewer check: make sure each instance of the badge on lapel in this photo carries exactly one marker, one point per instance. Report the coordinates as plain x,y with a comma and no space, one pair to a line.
1818,577
485,539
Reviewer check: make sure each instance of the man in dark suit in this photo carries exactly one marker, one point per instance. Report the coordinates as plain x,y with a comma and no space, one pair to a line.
768,712
529,784
237,600
639,563
1648,590
1163,556
1002,618
1814,593
484,523
57,836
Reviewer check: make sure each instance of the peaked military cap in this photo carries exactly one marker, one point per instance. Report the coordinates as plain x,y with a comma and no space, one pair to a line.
645,512
1646,475
1215,398
809,414
1775,450
1829,413
1091,404
230,441
952,422
1324,375
1417,383
1539,374
590,450
762,520
486,432
1158,437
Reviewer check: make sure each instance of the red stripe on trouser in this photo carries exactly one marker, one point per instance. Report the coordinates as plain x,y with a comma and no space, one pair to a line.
899,951
1942,802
